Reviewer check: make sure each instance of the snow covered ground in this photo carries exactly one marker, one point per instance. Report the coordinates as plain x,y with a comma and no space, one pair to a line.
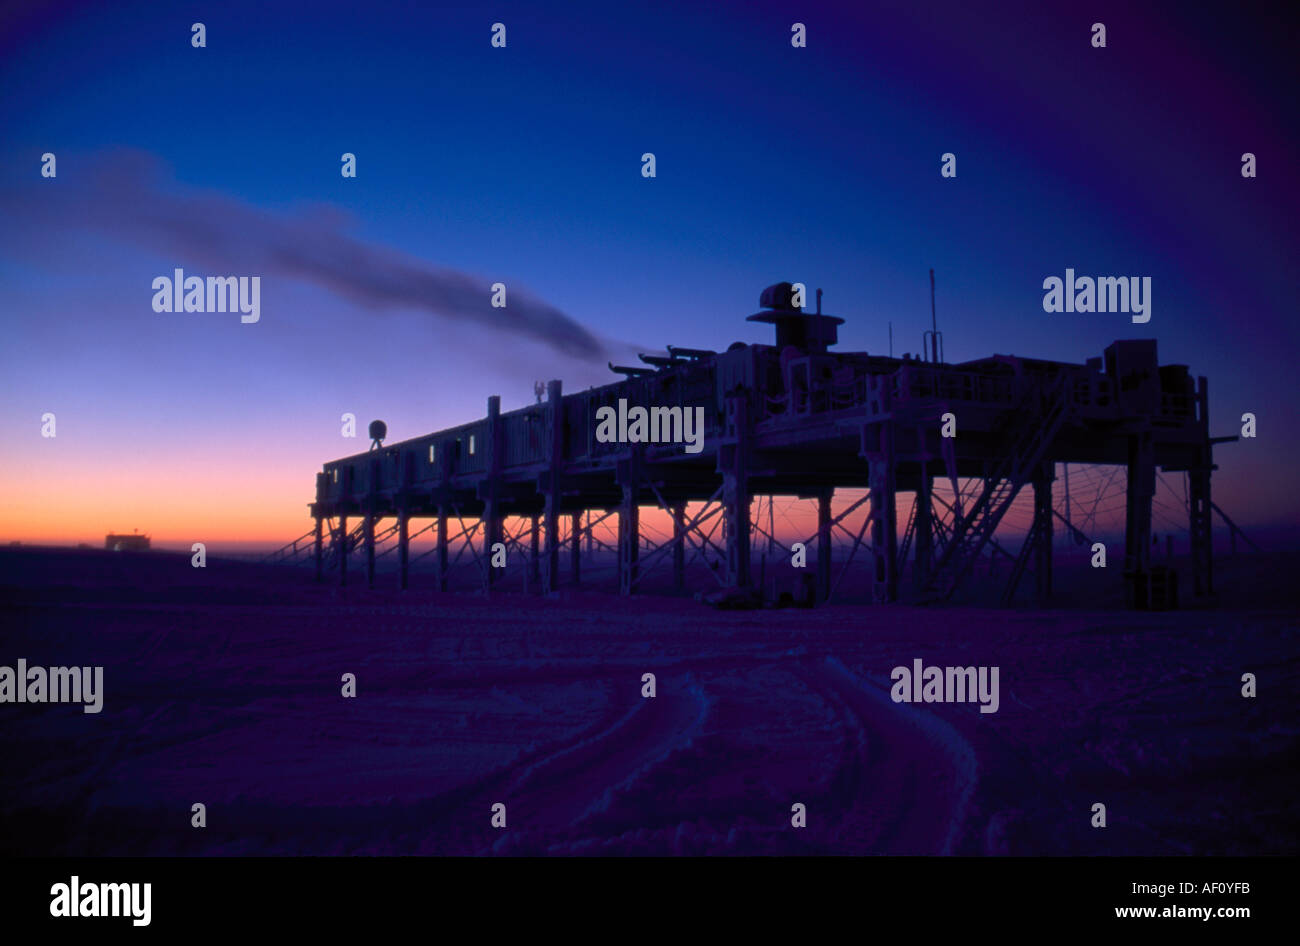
222,686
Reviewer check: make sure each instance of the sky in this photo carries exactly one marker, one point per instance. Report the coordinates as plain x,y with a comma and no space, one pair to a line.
523,165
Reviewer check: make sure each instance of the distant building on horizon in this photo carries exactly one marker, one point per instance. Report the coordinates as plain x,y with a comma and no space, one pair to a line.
126,543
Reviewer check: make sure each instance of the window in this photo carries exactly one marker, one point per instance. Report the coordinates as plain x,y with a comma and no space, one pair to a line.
471,444
433,453
336,476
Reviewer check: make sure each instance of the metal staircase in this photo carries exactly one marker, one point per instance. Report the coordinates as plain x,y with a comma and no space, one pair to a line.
1041,414
1037,533
333,546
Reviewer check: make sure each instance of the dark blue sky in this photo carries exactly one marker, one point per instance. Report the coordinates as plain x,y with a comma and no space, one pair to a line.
523,165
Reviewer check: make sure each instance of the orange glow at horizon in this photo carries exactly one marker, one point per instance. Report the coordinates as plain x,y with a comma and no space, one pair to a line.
232,495
73,491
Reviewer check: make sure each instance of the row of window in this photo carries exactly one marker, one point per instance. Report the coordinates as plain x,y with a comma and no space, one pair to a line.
433,454
433,450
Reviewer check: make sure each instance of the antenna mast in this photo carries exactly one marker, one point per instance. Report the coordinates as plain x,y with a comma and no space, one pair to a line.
932,340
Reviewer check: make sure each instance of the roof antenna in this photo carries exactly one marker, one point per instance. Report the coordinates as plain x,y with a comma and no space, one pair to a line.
933,339
891,339
819,302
